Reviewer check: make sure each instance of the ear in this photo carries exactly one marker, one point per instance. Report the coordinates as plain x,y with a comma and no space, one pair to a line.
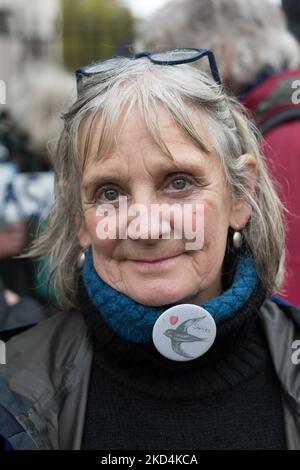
241,210
82,233
84,238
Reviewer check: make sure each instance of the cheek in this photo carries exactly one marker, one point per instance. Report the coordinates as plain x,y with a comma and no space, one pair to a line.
91,224
101,246
216,220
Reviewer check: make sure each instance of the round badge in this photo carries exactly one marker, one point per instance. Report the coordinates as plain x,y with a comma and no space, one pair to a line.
184,332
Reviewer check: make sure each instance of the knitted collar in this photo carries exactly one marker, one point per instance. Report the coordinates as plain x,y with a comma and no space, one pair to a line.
134,321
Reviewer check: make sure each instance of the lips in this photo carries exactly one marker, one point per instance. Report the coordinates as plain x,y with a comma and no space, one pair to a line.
156,260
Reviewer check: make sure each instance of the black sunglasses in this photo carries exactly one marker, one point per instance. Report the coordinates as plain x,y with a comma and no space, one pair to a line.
168,57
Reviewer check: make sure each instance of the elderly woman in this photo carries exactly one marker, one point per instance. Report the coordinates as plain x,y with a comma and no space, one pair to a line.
169,338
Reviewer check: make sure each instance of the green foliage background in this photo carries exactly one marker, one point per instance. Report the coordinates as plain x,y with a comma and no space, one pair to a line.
95,29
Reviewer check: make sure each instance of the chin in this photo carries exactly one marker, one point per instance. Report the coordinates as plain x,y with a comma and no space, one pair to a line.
158,298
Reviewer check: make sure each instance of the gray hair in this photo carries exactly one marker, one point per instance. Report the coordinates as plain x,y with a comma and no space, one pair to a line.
111,95
246,35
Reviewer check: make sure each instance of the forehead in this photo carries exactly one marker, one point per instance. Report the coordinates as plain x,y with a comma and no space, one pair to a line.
131,140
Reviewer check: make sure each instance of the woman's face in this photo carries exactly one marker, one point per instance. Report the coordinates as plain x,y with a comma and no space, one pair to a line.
152,270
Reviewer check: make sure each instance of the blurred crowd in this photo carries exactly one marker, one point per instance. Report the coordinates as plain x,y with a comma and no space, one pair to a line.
27,133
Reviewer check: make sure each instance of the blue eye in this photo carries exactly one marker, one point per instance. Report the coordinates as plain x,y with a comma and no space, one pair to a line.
179,183
110,194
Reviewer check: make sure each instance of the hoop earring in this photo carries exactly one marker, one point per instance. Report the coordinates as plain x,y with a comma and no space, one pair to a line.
81,259
237,240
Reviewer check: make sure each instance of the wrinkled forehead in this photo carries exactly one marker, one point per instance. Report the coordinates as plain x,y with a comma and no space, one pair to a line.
101,134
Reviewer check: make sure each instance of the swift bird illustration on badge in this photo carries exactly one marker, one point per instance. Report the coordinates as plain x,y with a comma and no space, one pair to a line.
181,335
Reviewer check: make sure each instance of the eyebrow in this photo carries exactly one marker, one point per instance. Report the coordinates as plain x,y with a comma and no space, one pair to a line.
98,180
167,167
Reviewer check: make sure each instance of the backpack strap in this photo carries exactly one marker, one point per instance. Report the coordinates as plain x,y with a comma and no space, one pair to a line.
278,118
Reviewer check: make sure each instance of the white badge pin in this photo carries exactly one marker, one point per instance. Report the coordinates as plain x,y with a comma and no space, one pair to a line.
184,332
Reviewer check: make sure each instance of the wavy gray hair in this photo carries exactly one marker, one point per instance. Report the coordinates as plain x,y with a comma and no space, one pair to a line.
246,35
111,94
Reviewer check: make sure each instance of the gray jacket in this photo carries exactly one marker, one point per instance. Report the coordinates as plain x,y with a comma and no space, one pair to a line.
44,386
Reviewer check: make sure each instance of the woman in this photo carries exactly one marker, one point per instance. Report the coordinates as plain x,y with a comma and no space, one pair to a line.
163,343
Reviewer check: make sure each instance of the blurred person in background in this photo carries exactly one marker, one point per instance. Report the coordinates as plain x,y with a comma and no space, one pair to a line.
18,310
16,313
12,242
26,132
259,62
37,106
16,157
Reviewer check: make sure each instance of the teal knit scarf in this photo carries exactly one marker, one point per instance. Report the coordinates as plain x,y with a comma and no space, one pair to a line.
134,321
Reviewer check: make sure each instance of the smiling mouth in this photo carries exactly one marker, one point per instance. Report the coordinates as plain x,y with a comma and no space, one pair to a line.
155,262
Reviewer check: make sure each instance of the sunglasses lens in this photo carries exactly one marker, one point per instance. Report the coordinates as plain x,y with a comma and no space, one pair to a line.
174,55
93,68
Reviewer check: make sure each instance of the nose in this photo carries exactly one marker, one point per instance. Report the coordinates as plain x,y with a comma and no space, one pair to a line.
146,220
